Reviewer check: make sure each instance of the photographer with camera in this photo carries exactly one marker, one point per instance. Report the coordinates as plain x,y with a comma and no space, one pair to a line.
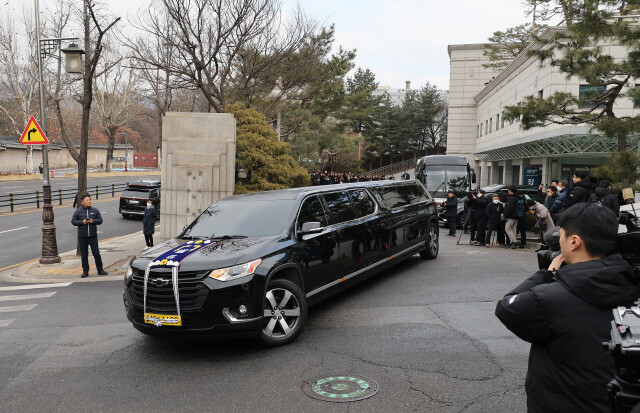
565,313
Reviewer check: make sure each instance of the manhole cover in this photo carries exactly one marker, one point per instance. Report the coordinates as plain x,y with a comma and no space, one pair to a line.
340,388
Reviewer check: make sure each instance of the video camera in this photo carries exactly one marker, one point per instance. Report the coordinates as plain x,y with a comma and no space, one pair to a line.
624,389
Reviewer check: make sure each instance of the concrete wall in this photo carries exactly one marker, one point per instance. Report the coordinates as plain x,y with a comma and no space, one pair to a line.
198,166
14,159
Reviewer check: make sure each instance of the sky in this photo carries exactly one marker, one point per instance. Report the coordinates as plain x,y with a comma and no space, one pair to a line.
398,40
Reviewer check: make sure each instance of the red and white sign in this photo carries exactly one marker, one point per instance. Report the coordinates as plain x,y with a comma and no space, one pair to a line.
33,135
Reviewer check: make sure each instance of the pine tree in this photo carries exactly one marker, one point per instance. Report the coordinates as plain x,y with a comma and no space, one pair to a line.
267,161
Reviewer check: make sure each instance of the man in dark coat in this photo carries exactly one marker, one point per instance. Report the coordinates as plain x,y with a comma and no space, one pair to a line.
478,209
451,212
562,191
581,191
87,218
565,312
149,223
494,212
605,196
511,214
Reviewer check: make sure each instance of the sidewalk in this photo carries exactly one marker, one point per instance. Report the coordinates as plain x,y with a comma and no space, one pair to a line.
116,253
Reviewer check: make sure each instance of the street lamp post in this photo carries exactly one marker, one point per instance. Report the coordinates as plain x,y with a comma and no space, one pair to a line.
276,93
49,242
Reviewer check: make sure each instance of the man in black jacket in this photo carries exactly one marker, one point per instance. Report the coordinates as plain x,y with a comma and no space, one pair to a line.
605,196
494,212
511,214
149,223
478,209
565,313
581,191
86,218
451,212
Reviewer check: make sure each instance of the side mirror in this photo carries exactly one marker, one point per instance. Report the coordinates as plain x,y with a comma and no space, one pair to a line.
473,176
310,228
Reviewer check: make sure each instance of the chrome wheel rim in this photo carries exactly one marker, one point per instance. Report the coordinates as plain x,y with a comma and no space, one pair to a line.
281,313
433,240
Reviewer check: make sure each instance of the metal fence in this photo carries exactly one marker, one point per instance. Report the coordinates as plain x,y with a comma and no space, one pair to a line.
394,168
30,198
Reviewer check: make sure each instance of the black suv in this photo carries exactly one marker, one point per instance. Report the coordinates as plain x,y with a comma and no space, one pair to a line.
134,199
251,264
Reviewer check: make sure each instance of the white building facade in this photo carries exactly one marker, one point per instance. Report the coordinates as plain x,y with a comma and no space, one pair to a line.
502,152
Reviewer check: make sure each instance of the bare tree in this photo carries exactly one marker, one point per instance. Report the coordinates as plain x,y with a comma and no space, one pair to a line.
94,33
436,132
207,39
18,82
114,99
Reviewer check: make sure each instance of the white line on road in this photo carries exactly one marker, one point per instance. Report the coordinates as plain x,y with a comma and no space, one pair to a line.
15,229
26,296
34,286
11,187
14,308
4,323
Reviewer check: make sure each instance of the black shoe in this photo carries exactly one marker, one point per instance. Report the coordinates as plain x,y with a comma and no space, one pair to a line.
102,272
513,246
84,275
521,245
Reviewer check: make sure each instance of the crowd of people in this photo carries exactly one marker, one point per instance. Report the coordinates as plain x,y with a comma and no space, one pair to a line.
329,177
505,213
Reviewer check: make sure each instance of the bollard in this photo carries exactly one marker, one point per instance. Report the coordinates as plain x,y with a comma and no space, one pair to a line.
60,196
37,199
113,190
11,201
96,191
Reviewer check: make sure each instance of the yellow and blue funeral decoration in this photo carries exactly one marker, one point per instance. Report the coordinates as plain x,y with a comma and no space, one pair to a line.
170,259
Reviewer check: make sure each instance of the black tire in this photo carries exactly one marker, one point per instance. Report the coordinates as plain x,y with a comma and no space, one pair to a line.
125,216
274,333
430,252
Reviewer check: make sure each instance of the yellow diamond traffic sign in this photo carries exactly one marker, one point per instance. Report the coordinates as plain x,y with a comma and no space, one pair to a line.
33,135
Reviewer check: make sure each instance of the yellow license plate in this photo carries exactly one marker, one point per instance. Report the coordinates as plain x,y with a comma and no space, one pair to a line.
162,319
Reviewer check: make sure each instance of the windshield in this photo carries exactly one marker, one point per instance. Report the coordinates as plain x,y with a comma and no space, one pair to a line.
136,193
251,219
441,178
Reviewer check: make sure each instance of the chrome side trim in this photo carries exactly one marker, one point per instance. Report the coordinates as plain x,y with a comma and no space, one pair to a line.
227,314
360,271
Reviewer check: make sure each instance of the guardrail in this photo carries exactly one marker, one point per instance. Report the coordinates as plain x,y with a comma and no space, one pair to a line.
29,198
408,164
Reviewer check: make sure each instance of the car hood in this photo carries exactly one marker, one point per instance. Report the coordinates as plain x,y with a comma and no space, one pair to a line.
220,254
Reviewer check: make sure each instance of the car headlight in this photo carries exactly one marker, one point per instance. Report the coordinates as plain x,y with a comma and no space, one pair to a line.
128,275
235,272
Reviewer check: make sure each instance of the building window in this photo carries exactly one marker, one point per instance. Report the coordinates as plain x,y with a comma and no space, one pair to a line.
480,127
486,127
502,124
541,94
497,122
636,102
589,92
490,125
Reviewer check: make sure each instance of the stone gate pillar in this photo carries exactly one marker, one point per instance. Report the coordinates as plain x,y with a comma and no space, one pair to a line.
198,166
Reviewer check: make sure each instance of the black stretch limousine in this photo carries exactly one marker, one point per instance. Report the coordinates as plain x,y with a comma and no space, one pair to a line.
251,264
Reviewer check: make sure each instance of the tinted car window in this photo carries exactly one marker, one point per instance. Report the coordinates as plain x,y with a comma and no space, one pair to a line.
137,193
312,211
253,219
339,205
362,203
419,193
396,196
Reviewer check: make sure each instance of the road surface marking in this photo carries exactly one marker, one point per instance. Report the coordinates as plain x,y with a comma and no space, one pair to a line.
15,229
34,286
4,323
11,187
25,296
14,308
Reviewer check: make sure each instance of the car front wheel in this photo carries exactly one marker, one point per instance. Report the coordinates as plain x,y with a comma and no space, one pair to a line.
432,244
285,313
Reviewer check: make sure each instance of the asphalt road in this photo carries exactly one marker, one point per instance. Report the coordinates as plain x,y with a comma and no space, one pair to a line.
425,331
21,231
